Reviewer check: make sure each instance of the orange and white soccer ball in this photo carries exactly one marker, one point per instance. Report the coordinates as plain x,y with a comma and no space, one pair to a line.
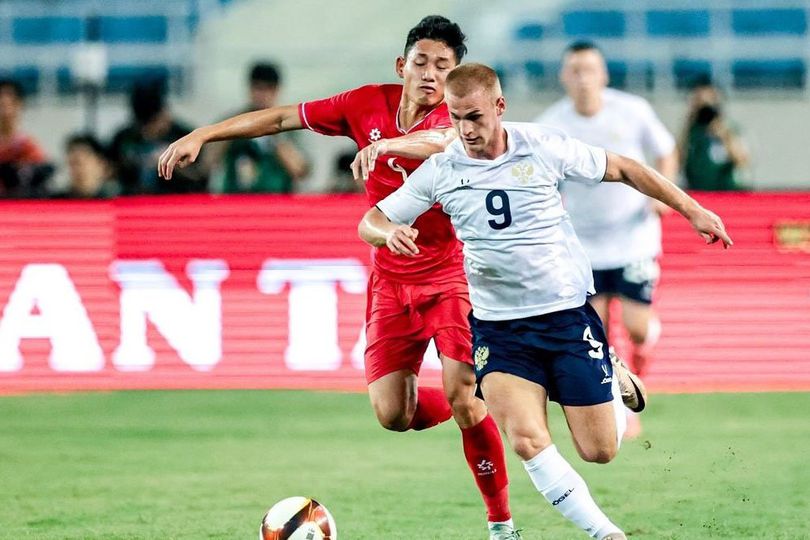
298,518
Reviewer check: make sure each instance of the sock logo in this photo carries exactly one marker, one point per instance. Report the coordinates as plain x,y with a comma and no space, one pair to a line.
563,497
486,467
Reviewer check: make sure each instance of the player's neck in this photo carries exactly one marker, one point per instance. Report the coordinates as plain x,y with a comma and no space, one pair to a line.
411,113
588,105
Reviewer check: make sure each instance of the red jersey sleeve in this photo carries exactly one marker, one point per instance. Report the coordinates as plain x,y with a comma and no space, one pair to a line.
327,116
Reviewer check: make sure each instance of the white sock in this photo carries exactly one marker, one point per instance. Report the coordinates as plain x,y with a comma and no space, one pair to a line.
566,491
618,410
509,523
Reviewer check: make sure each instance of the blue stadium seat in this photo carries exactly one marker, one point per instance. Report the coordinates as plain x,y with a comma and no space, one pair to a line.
529,32
594,23
752,22
686,70
44,30
776,73
678,23
64,81
123,78
535,73
146,29
26,76
620,71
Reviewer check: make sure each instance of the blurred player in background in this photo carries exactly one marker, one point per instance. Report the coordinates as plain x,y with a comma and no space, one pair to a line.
619,227
410,300
535,336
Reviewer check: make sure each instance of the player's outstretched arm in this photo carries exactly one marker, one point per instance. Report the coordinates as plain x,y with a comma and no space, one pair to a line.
417,145
648,181
248,125
376,229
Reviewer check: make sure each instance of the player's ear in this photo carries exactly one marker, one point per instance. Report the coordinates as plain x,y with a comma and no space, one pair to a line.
399,67
500,105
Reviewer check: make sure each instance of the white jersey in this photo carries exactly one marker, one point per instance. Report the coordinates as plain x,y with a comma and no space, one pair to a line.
615,223
521,255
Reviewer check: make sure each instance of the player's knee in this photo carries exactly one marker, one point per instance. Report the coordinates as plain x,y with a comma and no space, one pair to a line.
598,453
393,420
393,416
528,446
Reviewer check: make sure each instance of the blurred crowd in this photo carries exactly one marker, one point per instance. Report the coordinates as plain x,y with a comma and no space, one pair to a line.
710,145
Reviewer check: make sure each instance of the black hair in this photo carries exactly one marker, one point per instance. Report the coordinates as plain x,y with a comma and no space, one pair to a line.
265,72
582,45
88,140
438,28
147,101
14,86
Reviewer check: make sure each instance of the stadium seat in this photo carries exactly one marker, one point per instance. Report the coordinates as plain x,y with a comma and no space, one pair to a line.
752,22
686,70
776,73
529,32
145,29
27,76
594,23
678,23
535,73
45,30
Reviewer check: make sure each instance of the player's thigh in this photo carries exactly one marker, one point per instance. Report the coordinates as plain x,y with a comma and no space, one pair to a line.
593,429
601,304
519,408
445,314
636,318
393,398
395,339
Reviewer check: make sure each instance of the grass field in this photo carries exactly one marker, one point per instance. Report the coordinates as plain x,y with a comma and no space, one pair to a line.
163,465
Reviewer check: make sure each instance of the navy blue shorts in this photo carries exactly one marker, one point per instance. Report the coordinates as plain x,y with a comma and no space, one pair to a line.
635,281
565,352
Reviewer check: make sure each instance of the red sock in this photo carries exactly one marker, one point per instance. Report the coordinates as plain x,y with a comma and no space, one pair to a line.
483,449
432,408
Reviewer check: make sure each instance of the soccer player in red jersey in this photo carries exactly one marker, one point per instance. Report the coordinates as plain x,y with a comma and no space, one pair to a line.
410,300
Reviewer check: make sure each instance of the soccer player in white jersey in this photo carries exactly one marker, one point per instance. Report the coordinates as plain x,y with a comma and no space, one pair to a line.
619,227
534,335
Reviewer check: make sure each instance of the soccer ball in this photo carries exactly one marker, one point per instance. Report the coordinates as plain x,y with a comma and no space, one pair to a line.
298,518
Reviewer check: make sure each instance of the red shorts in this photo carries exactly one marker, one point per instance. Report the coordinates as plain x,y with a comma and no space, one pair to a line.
402,318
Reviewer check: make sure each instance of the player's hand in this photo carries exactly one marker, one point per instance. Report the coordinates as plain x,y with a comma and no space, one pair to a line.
402,241
366,159
180,153
710,227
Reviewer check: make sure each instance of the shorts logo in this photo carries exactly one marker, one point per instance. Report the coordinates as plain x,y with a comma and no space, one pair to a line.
481,356
608,379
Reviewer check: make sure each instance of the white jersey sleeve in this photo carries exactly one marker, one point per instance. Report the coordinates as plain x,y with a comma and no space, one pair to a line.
576,161
415,197
655,137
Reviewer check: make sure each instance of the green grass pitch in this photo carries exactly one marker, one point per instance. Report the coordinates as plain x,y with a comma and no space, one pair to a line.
207,464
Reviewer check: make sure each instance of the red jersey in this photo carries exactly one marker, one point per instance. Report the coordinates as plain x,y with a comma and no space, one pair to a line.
370,113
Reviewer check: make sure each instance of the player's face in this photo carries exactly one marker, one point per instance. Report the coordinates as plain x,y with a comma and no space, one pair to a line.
584,74
477,119
424,71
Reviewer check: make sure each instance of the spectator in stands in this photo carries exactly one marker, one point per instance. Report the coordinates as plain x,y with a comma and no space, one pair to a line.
89,170
24,169
265,164
713,152
135,149
342,177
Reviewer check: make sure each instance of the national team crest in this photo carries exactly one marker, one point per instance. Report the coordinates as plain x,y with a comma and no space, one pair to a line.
481,356
523,171
374,135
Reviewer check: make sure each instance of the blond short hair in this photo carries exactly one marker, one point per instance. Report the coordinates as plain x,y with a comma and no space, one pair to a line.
470,78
